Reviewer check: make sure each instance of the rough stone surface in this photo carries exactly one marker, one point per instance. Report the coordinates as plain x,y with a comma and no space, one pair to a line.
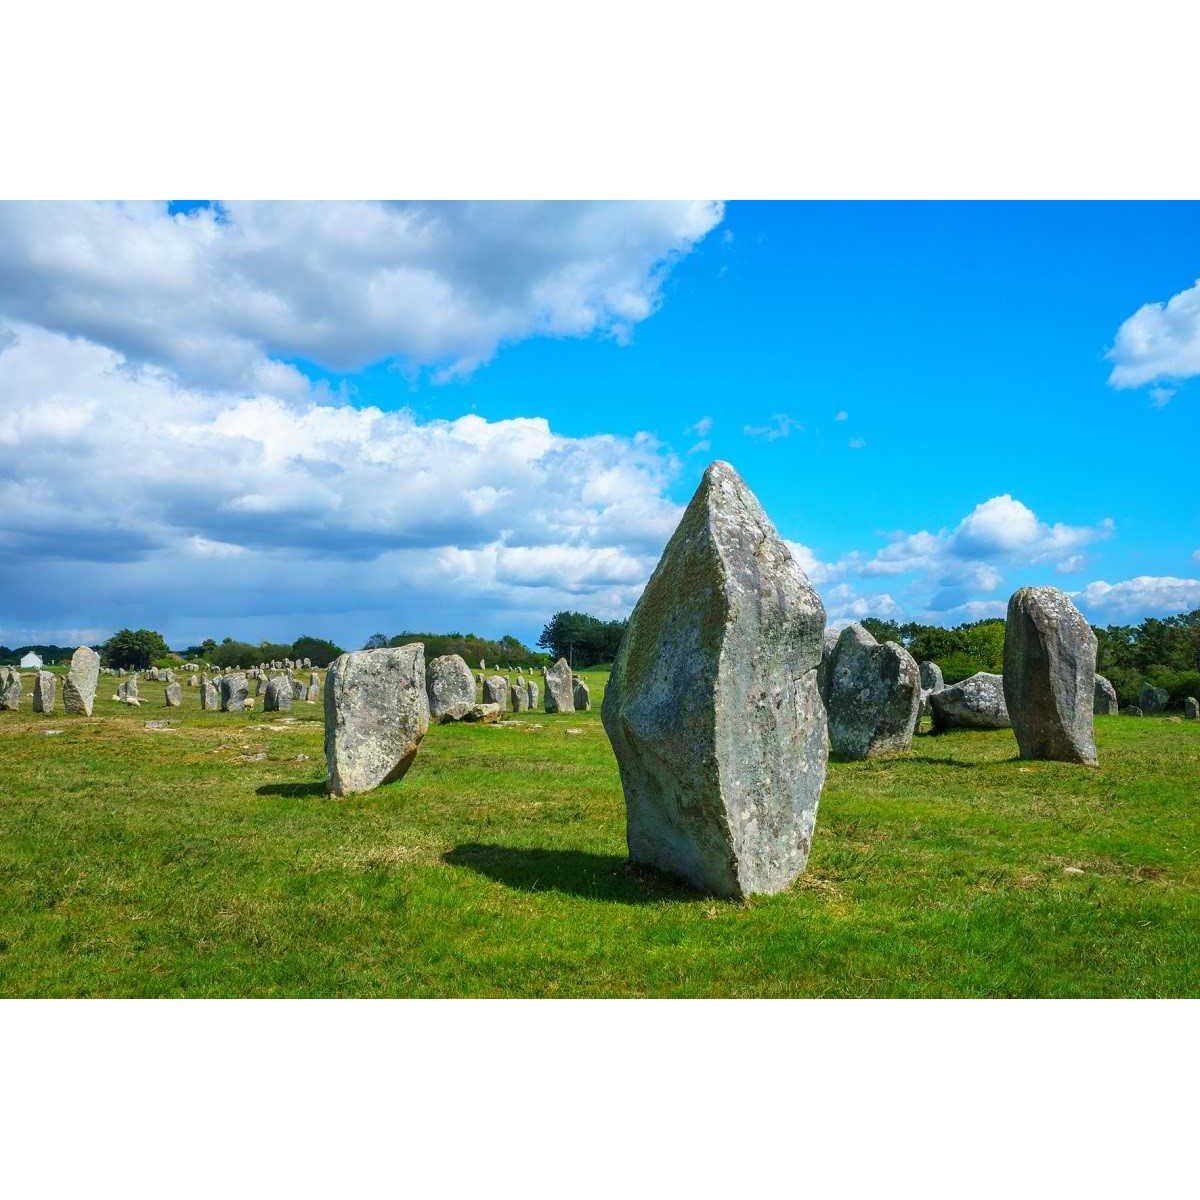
11,689
486,714
209,697
173,695
376,713
495,691
712,706
1131,710
1191,708
278,696
559,695
45,689
1153,699
313,694
828,642
975,703
531,689
1104,698
931,676
234,692
131,688
451,688
1050,676
519,697
874,695
299,691
581,695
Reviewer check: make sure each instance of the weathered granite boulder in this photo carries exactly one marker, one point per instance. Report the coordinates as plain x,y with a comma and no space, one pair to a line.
560,696
278,696
173,695
975,703
129,690
11,689
313,694
582,695
519,697
451,688
712,706
193,681
874,695
495,691
299,691
1131,710
485,714
1153,699
531,689
1104,698
1050,676
209,696
234,692
44,690
931,676
376,713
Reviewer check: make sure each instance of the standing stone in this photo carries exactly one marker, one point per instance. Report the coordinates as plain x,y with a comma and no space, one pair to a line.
209,699
559,695
519,697
581,695
931,676
1191,708
278,697
131,688
828,642
531,690
975,703
192,681
495,691
299,691
313,694
260,684
44,690
451,688
874,695
376,713
234,692
1050,676
173,695
712,706
1131,710
1153,699
11,689
79,686
1104,698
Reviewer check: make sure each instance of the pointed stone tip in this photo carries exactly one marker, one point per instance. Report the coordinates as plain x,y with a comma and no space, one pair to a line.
718,468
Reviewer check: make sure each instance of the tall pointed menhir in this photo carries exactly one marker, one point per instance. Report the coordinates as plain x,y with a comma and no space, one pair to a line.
713,708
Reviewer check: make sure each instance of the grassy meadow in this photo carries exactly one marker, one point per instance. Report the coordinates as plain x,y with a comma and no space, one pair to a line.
205,859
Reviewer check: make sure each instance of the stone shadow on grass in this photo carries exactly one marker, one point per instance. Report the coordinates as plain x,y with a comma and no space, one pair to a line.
317,788
571,872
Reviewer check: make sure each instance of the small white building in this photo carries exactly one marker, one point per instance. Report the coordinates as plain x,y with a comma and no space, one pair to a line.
31,662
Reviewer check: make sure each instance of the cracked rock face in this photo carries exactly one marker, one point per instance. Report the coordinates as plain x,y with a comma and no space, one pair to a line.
376,713
1050,676
713,708
975,703
560,695
451,688
874,696
235,691
1104,698
495,691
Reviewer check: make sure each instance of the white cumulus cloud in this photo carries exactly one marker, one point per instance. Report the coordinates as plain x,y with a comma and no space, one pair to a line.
1159,341
1145,595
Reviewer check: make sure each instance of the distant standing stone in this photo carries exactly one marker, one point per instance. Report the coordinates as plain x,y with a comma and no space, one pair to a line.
192,681
234,691
874,695
451,687
495,691
1104,698
531,690
712,706
1191,708
173,695
1131,710
44,690
975,703
1153,699
582,695
931,676
278,696
11,689
1050,676
131,688
376,713
299,691
519,697
209,699
559,694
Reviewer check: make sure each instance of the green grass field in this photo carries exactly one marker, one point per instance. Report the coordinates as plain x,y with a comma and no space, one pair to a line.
184,863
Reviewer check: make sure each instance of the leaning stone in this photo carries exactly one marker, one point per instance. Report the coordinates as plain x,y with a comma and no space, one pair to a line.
874,695
1104,698
495,691
1191,708
376,713
278,697
451,688
712,706
559,694
173,695
486,714
44,691
234,691
975,703
1153,699
581,695
1050,676
931,676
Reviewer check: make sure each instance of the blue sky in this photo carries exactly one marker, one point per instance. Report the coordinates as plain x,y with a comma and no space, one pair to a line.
269,420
